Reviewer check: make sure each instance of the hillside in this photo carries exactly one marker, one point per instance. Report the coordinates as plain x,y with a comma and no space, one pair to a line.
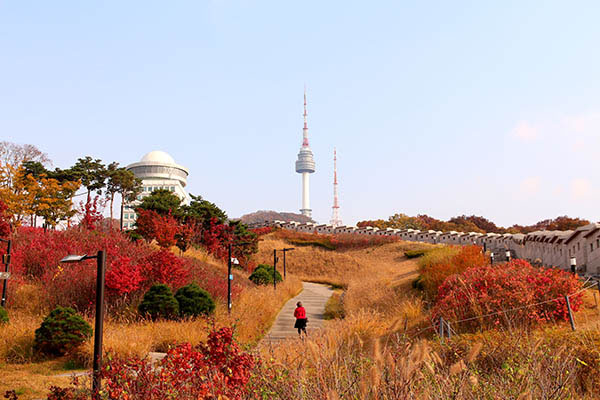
263,215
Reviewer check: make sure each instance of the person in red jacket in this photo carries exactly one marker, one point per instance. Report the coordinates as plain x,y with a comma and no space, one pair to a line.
301,320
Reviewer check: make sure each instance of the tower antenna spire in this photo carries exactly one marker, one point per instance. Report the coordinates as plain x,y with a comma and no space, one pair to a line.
305,165
335,216
305,129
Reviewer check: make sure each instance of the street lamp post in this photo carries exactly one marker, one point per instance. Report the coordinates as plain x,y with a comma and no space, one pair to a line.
99,323
274,269
284,250
6,260
230,276
231,260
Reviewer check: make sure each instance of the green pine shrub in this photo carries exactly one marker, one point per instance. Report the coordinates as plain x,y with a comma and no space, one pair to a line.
61,331
3,315
159,303
263,275
194,301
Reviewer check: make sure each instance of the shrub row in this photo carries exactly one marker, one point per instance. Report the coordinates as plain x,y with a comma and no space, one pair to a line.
502,293
189,301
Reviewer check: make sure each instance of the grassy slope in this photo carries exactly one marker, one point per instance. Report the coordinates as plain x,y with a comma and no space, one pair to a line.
253,313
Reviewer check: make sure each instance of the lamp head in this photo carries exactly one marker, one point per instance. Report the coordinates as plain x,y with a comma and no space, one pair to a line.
73,258
235,261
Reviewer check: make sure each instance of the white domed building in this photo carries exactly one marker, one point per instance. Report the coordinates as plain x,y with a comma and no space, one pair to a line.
157,170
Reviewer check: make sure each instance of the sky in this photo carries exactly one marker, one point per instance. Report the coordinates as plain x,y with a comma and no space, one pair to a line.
440,108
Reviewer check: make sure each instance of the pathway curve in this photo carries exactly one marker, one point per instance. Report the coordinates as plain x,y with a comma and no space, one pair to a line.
313,298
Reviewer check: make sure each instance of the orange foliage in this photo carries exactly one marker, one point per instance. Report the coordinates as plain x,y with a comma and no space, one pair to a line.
444,262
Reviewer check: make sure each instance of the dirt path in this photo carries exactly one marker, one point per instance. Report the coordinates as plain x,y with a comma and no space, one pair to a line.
313,298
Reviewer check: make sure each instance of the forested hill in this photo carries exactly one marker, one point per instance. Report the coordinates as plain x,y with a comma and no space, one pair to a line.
263,215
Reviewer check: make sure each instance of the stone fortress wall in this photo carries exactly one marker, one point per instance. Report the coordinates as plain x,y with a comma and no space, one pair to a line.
548,248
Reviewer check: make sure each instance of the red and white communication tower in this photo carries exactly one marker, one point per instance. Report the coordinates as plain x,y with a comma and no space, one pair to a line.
335,217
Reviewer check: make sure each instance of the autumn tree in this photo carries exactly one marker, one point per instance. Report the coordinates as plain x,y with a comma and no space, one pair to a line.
18,192
4,221
55,201
123,182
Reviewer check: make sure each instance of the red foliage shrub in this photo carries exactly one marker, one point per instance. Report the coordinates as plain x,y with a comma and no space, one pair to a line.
37,255
215,238
441,263
92,213
162,266
214,280
165,229
334,242
123,276
144,223
262,231
216,370
492,289
187,234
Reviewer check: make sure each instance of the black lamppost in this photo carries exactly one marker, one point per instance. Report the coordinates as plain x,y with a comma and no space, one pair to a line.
101,265
231,260
275,269
4,276
284,250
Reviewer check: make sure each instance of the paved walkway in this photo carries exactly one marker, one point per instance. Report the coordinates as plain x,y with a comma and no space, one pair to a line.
313,298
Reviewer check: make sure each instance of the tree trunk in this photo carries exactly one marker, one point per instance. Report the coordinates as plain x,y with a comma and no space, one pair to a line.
112,200
122,207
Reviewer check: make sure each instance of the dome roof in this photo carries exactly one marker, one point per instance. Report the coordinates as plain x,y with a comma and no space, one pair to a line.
158,156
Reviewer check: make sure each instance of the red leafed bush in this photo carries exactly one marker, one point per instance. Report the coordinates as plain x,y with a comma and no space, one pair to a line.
440,263
216,370
165,230
262,231
123,276
37,255
334,242
485,290
215,238
214,280
92,213
162,266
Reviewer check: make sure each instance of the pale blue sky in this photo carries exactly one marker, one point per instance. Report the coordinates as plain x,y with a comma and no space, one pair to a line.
444,108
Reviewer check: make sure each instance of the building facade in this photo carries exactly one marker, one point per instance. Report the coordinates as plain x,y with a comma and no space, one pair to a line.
157,170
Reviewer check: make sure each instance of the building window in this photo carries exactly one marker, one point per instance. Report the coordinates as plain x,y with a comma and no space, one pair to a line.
172,188
597,244
578,246
591,246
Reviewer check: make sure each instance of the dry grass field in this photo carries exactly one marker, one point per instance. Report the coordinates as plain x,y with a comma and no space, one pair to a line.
383,347
21,369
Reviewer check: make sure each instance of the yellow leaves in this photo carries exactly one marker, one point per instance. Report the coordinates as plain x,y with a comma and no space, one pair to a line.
581,362
24,195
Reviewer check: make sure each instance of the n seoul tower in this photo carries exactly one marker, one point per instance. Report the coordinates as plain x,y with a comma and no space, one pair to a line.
305,165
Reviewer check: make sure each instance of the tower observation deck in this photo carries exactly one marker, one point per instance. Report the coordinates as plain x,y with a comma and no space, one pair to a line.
305,165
